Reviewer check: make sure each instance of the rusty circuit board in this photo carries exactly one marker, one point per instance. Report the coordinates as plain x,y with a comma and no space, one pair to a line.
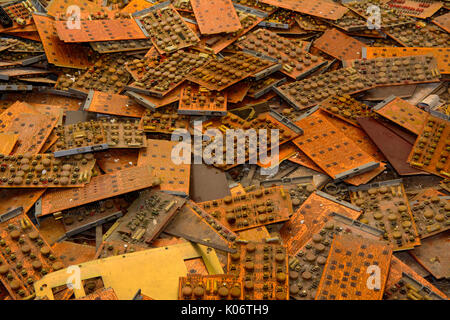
121,45
211,287
153,103
164,120
58,52
309,92
100,187
103,294
197,100
32,130
431,215
58,7
306,267
344,160
8,142
415,8
108,74
167,29
123,133
346,108
441,54
44,170
296,62
85,217
420,34
311,217
408,288
321,8
114,104
116,159
402,113
310,23
19,198
136,5
100,30
147,216
255,4
349,266
253,209
71,253
175,177
216,16
398,70
263,269
220,74
261,87
115,248
431,149
339,45
386,207
80,138
158,78
25,256
18,15
443,21
433,255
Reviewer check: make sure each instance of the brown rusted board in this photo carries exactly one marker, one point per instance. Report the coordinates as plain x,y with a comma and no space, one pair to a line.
215,16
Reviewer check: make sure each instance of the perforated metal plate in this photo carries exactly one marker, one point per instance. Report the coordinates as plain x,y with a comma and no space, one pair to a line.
100,187
114,104
347,270
158,154
216,287
321,8
430,152
297,62
25,256
311,217
197,100
441,54
443,21
116,159
339,45
263,269
386,207
215,16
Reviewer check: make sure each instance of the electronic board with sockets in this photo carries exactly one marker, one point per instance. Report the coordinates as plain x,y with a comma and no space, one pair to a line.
198,100
408,288
339,45
309,92
255,4
310,23
346,108
415,8
335,153
351,22
57,52
220,74
44,170
121,45
100,30
100,187
297,62
386,207
263,269
82,218
164,120
168,31
123,133
441,54
263,86
306,267
175,177
350,264
19,12
388,16
431,149
114,104
25,255
215,16
321,8
398,70
79,138
257,208
159,77
445,184
26,47
211,287
107,74
431,215
147,216
311,217
420,34
402,113
268,121
281,19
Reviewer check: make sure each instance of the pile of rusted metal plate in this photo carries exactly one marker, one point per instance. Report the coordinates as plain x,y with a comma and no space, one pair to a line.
224,150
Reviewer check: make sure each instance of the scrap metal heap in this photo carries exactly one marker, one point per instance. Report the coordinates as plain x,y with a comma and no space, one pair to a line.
97,95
